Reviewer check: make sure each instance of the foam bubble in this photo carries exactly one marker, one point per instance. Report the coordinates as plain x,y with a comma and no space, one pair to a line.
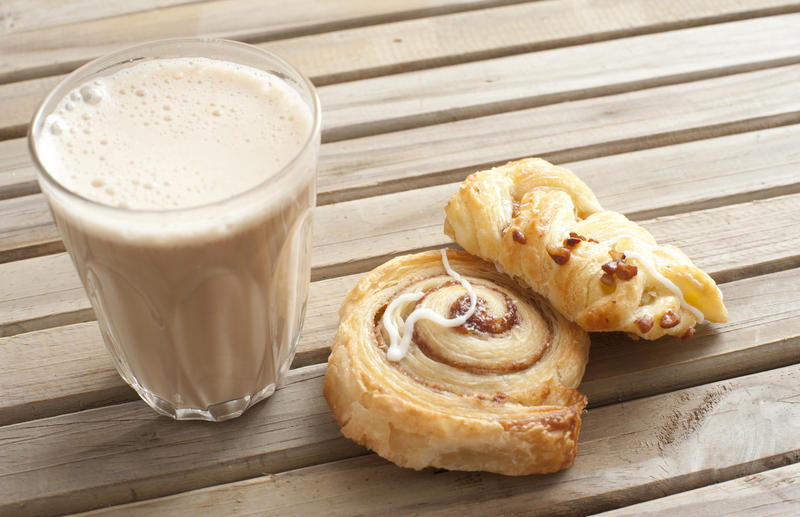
174,141
55,124
91,94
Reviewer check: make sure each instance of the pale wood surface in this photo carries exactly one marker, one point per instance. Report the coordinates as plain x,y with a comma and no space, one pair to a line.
376,51
643,448
774,493
57,49
737,240
683,115
758,337
691,175
561,132
400,101
25,15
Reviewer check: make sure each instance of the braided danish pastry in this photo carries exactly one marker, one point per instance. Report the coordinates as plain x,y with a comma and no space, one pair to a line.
495,393
544,226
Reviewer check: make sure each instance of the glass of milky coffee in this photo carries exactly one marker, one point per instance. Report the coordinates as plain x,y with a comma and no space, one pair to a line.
181,175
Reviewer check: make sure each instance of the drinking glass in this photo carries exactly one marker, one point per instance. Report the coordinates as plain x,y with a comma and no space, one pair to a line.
200,307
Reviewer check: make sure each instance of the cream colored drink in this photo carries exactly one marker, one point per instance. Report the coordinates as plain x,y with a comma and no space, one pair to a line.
191,226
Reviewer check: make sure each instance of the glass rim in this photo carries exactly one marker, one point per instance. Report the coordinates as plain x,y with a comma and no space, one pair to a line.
115,58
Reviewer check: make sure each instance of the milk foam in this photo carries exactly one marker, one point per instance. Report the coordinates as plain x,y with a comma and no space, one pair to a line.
173,133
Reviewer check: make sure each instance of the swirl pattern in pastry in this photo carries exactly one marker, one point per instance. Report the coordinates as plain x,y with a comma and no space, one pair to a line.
496,393
544,226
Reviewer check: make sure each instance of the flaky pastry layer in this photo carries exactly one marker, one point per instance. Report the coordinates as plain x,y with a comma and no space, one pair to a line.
496,394
541,224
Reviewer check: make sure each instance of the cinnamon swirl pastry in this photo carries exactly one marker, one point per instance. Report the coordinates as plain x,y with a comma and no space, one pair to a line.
543,225
484,379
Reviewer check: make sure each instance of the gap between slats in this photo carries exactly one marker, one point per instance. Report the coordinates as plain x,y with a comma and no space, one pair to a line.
36,235
695,173
404,101
47,14
230,19
649,118
770,492
746,234
119,451
640,451
564,25
434,155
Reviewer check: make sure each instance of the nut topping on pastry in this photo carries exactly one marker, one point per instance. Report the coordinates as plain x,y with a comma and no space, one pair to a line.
559,255
645,323
669,320
643,276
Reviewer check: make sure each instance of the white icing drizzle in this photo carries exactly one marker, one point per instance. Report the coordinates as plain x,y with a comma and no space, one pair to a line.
651,270
398,347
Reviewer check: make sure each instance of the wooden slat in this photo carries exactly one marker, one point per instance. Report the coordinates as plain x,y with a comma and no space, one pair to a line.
773,492
628,453
635,177
74,356
561,132
763,333
744,238
434,96
59,49
373,50
480,88
647,183
19,101
26,298
385,226
17,177
443,94
25,15
105,450
652,182
489,33
27,229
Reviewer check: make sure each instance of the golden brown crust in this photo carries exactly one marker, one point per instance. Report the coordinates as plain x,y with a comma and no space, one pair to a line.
544,226
496,395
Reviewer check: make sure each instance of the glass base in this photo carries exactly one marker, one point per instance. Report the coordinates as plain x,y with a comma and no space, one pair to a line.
214,413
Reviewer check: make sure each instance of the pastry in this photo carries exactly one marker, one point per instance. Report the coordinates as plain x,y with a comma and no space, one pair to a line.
488,384
544,226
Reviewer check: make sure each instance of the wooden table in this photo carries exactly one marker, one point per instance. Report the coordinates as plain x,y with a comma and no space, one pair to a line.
683,115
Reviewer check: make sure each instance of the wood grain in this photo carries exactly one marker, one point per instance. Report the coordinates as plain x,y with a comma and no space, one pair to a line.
563,132
644,183
17,177
462,37
448,93
650,182
126,451
28,303
763,333
444,94
54,50
25,15
628,453
684,115
732,241
772,493
376,49
27,229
